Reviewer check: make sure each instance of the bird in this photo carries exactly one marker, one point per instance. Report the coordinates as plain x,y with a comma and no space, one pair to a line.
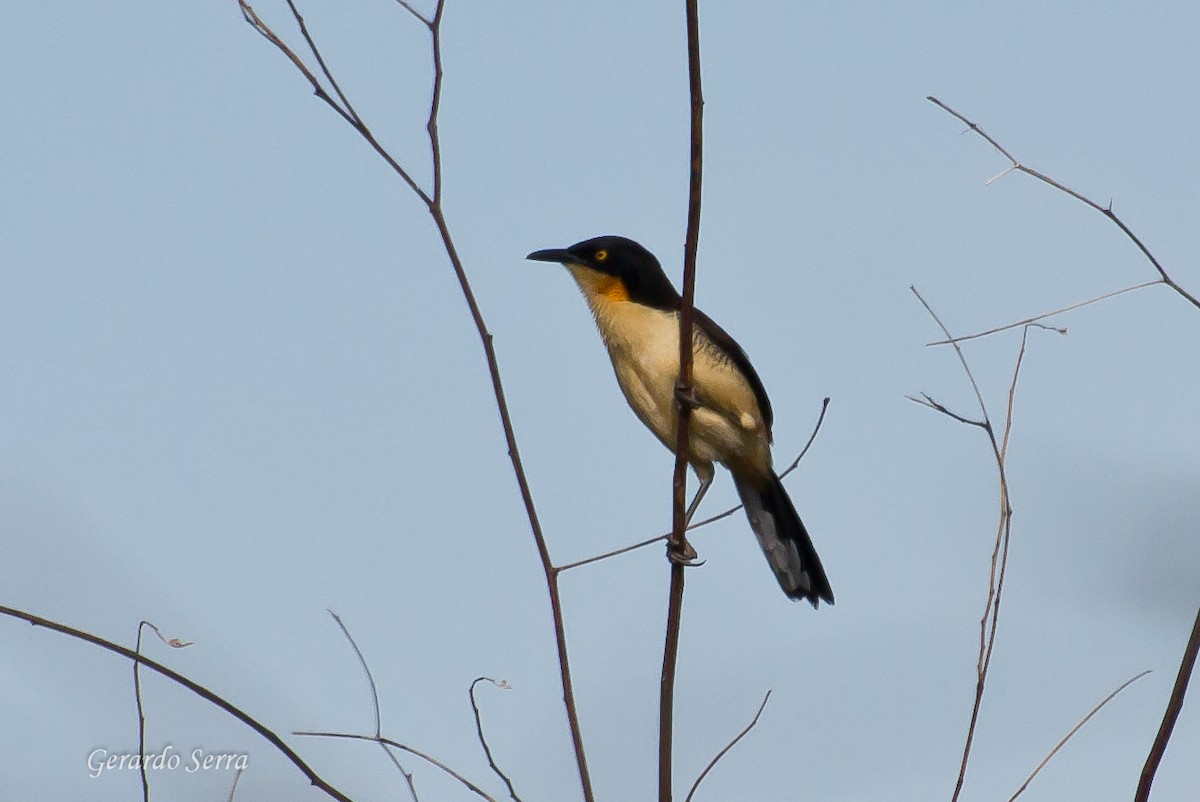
637,309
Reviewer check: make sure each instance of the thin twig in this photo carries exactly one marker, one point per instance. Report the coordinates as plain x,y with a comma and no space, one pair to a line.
487,750
678,549
1074,730
141,713
433,204
362,661
1178,691
728,746
174,643
986,424
194,687
233,788
989,621
725,514
1105,210
1045,315
926,400
428,758
312,46
256,22
412,10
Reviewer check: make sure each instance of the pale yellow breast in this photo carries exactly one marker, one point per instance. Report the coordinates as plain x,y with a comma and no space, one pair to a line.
643,344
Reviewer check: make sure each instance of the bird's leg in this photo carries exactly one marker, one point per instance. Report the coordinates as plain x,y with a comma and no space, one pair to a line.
705,474
684,553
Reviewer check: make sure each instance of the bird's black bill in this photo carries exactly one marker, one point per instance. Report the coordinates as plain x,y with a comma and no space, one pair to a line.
552,255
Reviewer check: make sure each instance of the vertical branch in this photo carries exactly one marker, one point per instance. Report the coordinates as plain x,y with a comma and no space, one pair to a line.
989,621
1173,707
678,549
141,712
432,200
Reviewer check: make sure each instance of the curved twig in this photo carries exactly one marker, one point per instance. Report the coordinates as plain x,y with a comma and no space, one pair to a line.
1074,730
362,661
728,746
487,750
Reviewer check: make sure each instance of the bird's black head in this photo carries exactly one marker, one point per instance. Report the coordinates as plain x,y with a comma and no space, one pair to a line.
641,276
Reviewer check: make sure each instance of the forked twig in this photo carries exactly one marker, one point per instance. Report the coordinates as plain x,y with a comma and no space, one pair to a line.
1105,210
1074,730
487,750
989,621
362,661
626,549
1178,691
433,203
728,746
1045,315
428,758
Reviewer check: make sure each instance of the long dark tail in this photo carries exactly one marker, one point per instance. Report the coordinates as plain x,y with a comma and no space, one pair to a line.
784,540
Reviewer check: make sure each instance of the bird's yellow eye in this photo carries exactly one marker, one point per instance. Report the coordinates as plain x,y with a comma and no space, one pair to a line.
601,255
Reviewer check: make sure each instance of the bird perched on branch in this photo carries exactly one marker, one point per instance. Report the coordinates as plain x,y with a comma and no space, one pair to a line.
637,311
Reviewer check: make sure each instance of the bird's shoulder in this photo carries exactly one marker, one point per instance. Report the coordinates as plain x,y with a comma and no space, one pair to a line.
728,346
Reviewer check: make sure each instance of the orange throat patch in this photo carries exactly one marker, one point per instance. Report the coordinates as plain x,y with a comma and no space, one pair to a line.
613,289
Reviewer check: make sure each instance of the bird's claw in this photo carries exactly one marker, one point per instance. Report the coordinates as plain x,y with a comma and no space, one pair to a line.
682,554
686,396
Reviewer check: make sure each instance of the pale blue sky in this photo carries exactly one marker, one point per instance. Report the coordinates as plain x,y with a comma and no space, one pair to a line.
241,386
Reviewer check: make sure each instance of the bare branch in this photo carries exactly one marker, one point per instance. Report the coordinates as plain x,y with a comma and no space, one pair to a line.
487,750
926,400
362,661
1045,315
728,746
312,46
1074,730
256,22
412,10
989,621
433,203
725,514
428,758
196,688
174,643
987,424
141,713
1159,747
679,551
1105,210
348,115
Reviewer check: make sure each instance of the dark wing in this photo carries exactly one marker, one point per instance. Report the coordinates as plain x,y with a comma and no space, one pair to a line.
729,346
